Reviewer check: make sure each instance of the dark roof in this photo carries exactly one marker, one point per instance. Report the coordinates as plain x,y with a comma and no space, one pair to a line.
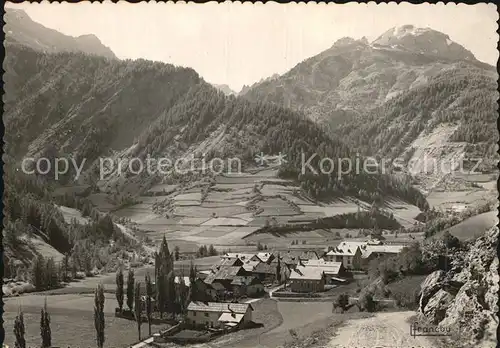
225,273
264,268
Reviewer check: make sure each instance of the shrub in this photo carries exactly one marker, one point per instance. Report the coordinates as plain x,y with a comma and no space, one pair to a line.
406,299
366,302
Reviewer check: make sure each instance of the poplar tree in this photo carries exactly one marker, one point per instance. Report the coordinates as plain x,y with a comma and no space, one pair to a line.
19,331
149,296
99,315
119,288
130,289
138,307
45,327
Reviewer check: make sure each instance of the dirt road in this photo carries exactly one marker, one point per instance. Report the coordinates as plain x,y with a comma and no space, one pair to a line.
384,330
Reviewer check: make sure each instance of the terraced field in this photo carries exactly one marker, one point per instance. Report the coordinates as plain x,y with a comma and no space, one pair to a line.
227,212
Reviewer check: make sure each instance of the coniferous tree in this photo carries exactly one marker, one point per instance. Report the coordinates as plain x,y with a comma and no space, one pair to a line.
193,287
38,273
171,293
182,295
45,327
99,322
65,268
19,331
119,288
130,289
51,276
161,294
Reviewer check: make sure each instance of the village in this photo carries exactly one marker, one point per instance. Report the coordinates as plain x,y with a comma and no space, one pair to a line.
221,297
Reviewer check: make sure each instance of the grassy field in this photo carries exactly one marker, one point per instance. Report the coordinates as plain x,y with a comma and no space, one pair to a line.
443,200
474,226
72,321
238,205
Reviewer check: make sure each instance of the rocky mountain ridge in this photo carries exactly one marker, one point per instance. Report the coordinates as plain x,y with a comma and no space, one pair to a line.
423,41
21,29
366,93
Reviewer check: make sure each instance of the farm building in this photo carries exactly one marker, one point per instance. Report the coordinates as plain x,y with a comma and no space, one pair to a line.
307,279
247,286
218,314
265,272
334,271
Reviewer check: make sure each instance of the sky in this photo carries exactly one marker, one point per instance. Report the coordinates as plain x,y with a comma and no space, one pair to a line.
237,44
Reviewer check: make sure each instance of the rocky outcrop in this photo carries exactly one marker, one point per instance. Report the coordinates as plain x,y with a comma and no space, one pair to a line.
429,287
437,305
465,299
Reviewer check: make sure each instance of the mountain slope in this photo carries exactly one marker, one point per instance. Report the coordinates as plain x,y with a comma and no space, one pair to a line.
21,29
353,75
449,119
90,109
388,97
83,107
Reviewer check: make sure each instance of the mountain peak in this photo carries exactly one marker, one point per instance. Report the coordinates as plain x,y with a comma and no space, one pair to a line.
422,40
348,41
21,29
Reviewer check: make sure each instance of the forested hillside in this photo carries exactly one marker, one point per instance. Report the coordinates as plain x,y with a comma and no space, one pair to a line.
71,104
465,97
381,96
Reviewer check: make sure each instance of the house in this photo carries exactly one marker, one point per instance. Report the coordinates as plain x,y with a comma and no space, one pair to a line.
307,279
292,257
357,255
247,286
371,252
347,252
263,257
249,266
218,314
205,291
334,271
221,279
228,262
265,272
